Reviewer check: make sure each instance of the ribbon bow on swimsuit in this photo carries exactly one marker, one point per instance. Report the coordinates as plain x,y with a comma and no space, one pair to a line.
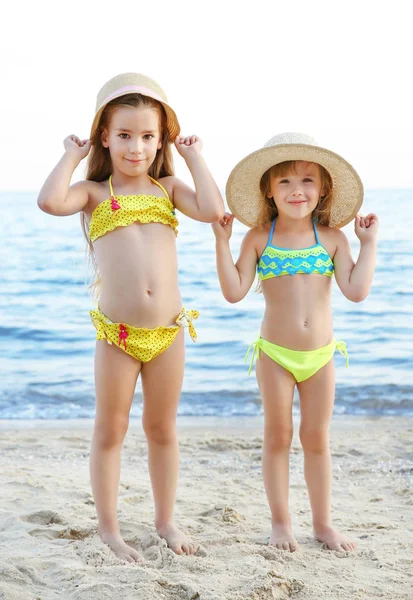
342,348
185,318
255,354
99,323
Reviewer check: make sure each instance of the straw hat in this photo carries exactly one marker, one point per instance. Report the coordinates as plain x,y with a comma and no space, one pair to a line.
243,186
135,83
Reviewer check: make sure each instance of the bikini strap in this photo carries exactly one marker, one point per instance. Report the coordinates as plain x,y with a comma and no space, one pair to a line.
112,195
159,185
271,232
315,232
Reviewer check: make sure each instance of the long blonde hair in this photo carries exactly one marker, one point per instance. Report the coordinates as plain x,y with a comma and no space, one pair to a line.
269,211
99,167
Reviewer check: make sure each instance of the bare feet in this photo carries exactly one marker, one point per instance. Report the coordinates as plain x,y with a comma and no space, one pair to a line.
120,548
334,539
176,540
282,538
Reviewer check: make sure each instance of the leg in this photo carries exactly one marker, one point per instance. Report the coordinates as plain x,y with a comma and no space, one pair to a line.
316,401
161,383
115,377
277,392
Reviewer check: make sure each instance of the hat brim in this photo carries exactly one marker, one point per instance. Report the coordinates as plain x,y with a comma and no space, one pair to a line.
243,193
172,123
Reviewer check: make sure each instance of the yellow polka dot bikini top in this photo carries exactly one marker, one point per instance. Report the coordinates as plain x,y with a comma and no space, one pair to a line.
121,211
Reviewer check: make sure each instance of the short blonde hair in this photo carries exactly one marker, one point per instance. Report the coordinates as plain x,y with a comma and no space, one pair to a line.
269,211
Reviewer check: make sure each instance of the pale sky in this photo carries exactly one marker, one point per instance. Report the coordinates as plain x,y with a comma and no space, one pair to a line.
236,73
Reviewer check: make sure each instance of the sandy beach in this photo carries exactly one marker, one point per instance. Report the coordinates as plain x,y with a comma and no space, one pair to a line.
49,548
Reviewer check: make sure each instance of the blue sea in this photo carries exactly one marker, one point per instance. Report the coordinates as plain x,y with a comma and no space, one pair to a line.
47,340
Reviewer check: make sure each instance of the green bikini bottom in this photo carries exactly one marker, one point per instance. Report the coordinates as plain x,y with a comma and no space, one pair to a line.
302,364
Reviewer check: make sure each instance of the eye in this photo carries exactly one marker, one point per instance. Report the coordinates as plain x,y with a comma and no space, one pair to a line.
308,180
124,136
284,181
148,136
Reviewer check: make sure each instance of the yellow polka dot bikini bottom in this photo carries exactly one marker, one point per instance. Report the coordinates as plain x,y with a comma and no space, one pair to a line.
141,343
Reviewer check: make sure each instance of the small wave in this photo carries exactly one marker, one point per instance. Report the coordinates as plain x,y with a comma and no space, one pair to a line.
42,402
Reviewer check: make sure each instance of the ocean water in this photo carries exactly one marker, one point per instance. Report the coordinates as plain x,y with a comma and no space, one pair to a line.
47,340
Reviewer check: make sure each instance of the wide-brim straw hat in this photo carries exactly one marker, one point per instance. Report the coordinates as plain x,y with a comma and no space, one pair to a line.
135,83
243,193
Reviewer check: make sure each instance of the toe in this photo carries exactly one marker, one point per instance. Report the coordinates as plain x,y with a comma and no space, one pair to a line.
186,549
293,547
286,546
192,548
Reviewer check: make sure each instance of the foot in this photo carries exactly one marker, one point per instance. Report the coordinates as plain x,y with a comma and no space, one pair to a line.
334,540
120,548
282,538
176,540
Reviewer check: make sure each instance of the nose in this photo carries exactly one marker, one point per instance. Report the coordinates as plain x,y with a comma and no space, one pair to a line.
135,146
297,191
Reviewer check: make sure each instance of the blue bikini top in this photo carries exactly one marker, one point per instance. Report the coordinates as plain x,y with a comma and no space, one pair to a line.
275,261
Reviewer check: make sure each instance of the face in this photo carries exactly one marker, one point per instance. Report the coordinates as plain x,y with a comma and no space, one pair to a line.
133,138
296,194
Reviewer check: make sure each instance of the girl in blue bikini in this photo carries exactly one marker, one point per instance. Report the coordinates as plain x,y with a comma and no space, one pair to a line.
295,196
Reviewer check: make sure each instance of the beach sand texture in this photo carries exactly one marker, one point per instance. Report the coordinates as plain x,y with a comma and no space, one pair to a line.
49,548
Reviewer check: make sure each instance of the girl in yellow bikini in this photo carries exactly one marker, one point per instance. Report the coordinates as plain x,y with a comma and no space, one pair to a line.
295,196
128,209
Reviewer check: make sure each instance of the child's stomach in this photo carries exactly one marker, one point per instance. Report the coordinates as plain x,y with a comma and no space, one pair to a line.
139,272
298,311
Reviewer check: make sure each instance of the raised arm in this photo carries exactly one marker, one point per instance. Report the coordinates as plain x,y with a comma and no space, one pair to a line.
205,204
354,279
235,279
56,197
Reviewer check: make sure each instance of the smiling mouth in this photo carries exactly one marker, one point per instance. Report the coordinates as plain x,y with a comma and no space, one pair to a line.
134,162
299,202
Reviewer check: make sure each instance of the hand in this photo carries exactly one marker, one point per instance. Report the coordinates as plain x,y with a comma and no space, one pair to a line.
223,228
79,148
366,227
188,146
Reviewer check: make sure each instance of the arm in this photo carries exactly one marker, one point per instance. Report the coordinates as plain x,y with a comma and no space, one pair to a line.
235,279
205,204
354,279
56,197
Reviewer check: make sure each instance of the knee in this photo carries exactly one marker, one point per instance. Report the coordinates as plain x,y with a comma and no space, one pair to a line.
314,440
111,432
278,439
159,432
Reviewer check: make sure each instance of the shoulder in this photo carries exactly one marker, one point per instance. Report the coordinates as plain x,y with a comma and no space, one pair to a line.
170,183
97,192
256,238
331,237
334,241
